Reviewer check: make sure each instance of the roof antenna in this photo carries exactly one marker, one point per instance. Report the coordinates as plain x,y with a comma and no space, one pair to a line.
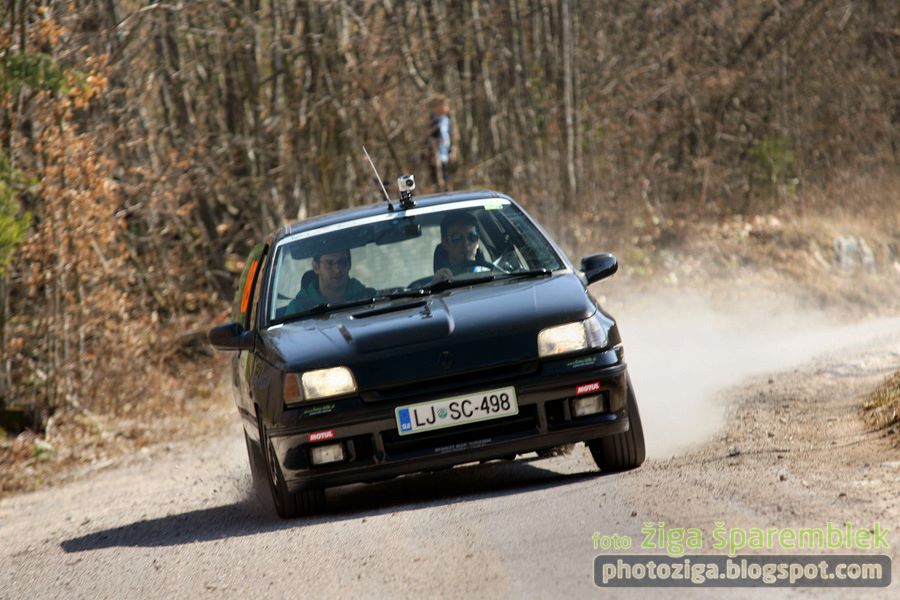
387,198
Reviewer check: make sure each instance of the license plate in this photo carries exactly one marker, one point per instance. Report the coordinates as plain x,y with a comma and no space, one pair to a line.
458,410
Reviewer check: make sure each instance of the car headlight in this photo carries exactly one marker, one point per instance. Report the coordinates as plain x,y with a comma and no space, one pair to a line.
572,337
318,384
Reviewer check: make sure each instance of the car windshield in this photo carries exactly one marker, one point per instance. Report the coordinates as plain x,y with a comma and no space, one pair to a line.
415,252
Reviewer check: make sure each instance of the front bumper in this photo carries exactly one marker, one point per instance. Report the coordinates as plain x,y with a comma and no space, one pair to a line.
374,449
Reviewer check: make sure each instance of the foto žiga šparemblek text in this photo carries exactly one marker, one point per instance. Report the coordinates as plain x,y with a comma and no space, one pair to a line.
676,541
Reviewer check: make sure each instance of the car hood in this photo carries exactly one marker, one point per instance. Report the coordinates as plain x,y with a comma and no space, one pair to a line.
453,332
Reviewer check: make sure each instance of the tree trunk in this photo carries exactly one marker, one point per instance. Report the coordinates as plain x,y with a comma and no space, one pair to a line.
568,102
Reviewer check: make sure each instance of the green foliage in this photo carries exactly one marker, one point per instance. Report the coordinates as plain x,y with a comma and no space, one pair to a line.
13,223
43,450
774,159
37,71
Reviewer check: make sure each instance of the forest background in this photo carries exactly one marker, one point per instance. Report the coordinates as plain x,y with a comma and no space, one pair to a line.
145,146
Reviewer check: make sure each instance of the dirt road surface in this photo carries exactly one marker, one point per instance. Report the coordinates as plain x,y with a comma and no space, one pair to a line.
750,429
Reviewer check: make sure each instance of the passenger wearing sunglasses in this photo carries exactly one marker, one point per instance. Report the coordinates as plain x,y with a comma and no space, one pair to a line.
331,284
460,247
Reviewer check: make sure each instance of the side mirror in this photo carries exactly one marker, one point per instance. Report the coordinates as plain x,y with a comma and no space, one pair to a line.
231,337
599,266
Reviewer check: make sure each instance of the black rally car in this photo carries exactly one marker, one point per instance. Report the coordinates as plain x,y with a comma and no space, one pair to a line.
397,338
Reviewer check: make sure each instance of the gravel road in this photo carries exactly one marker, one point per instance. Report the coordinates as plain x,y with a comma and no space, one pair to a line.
788,448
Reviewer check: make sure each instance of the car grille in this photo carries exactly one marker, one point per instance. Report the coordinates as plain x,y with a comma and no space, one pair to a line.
451,384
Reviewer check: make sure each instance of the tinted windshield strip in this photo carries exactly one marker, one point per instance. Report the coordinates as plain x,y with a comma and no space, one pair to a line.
424,210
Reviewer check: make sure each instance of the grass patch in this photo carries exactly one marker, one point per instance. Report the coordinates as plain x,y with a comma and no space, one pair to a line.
883,405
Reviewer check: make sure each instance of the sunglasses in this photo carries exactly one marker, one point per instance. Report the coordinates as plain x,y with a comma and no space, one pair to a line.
456,238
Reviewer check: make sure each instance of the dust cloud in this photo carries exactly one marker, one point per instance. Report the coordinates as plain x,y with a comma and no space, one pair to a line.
682,351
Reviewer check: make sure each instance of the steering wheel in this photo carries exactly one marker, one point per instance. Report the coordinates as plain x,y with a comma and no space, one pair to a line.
470,266
478,266
506,262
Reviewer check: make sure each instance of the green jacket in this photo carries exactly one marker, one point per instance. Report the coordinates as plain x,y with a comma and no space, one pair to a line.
310,295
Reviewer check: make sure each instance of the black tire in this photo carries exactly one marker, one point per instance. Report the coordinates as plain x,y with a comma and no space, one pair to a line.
257,461
622,451
290,505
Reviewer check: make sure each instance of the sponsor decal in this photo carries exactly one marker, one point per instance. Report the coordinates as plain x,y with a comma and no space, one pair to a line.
321,435
582,362
587,388
319,410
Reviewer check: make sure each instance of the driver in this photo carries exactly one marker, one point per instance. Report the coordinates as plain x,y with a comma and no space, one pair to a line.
459,237
332,284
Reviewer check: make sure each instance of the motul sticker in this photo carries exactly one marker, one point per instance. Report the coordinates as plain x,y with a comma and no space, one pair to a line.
587,388
321,435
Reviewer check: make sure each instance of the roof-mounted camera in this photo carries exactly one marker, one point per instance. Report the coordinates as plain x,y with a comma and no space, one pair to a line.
406,184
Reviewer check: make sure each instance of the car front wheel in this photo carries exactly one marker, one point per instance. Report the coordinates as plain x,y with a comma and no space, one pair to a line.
290,505
621,451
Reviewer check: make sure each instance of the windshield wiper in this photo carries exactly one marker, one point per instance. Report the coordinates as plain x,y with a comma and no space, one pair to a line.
446,284
525,274
327,307
403,294
439,286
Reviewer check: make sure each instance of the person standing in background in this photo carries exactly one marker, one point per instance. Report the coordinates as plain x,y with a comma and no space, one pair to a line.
440,143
